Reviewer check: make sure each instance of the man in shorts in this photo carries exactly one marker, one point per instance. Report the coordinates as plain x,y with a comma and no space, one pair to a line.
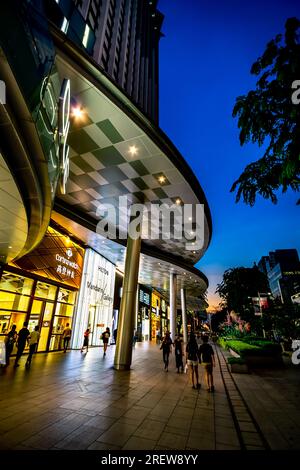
207,357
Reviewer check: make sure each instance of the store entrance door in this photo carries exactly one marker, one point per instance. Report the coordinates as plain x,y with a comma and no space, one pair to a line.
41,315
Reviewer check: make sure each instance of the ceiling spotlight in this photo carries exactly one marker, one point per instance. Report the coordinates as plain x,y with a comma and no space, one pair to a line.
77,112
133,150
178,201
194,252
162,179
10,247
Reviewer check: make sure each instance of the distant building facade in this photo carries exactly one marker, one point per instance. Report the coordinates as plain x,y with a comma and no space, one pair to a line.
283,270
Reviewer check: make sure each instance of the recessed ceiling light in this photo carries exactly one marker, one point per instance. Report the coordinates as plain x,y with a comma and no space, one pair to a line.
162,179
10,247
133,150
194,252
178,201
77,112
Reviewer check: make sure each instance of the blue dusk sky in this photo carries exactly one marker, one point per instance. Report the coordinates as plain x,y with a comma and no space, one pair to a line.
205,60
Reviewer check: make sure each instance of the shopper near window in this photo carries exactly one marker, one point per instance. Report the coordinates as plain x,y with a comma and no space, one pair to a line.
10,341
33,342
23,337
67,336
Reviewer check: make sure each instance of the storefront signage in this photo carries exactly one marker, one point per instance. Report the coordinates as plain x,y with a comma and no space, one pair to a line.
144,297
103,270
57,257
100,290
95,301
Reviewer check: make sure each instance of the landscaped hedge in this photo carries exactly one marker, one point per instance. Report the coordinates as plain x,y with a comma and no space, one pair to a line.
235,360
255,348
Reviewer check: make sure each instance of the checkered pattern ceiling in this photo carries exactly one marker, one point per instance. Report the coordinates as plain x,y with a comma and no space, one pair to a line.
153,271
110,156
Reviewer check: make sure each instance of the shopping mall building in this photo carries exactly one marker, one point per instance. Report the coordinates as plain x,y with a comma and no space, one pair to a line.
79,135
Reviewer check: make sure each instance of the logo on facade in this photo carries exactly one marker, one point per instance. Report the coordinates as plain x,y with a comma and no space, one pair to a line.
69,253
63,131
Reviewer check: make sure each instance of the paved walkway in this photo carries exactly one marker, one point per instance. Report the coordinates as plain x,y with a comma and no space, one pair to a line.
78,401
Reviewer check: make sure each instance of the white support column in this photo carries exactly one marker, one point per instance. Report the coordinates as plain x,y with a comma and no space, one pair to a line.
127,314
184,320
173,304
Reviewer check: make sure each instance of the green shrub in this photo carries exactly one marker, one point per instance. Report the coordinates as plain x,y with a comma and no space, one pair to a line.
256,348
236,360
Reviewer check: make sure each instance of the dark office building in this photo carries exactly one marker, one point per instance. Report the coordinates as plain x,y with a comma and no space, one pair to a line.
283,270
122,36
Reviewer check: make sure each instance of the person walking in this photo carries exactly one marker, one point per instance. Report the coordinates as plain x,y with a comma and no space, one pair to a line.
105,338
11,338
198,339
166,347
33,342
115,335
86,340
23,337
67,336
193,360
207,357
178,353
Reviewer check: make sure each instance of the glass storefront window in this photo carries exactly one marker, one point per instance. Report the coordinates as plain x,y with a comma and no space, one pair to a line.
64,309
67,296
45,291
4,323
17,319
14,283
10,301
36,307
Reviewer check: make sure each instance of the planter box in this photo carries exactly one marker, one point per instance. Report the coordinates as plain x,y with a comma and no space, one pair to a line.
264,361
239,368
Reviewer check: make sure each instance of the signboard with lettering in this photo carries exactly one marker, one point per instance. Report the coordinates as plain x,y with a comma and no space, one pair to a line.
57,257
144,297
96,295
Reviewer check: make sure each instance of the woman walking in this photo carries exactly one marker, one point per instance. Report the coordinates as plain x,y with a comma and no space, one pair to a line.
105,338
166,347
10,341
192,359
178,353
86,340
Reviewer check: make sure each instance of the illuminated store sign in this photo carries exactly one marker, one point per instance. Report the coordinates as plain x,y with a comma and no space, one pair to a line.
95,301
57,258
144,297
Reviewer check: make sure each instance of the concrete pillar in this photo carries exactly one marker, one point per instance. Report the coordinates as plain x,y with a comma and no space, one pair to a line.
173,304
127,314
184,320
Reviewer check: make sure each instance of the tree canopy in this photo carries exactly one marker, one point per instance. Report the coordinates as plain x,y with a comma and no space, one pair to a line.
238,285
269,116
